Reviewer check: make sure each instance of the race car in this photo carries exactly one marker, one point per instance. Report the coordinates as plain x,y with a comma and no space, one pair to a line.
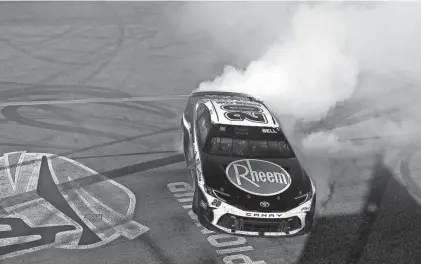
247,179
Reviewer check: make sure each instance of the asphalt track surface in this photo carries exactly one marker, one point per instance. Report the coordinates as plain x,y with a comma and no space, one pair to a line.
95,88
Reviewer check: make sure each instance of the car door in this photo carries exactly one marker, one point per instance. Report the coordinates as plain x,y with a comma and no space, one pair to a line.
186,140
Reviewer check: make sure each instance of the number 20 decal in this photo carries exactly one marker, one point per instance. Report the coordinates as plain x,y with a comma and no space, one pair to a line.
244,112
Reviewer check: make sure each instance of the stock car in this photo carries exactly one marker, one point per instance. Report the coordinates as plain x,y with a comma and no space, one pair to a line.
247,178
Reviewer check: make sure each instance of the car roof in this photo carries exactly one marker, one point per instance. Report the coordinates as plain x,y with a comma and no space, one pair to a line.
222,109
223,95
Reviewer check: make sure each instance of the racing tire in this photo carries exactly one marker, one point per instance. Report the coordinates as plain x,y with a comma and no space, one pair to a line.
201,212
311,220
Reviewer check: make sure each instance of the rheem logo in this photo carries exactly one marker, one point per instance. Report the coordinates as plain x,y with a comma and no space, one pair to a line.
258,177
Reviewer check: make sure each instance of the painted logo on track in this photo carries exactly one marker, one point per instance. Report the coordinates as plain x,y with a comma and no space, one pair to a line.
52,201
258,177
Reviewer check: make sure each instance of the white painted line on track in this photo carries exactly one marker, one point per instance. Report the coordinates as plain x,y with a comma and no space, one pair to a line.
206,231
18,240
5,228
183,200
96,100
234,250
178,195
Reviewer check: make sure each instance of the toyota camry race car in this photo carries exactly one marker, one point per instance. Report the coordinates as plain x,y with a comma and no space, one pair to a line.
247,179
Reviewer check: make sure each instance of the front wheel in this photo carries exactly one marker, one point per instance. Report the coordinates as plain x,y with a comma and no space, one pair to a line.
311,218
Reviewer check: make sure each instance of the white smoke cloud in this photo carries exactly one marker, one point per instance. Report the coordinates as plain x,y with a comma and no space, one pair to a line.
304,76
353,69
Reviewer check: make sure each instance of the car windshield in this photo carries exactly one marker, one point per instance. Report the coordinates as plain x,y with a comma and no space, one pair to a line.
249,142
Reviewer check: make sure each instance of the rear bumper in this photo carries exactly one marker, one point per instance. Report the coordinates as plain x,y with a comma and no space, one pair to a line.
228,219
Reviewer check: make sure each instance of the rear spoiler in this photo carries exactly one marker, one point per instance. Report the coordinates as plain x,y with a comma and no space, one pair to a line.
228,94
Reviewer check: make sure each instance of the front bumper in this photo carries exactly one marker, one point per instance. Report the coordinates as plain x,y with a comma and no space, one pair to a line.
217,215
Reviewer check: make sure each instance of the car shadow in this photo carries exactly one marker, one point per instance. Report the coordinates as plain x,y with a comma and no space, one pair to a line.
386,230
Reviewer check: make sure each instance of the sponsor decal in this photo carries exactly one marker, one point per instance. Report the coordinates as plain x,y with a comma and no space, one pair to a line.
269,131
258,177
216,203
198,164
263,215
52,201
243,116
203,204
199,174
251,113
264,204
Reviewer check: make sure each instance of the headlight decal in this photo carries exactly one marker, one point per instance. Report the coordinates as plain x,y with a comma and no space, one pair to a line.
304,198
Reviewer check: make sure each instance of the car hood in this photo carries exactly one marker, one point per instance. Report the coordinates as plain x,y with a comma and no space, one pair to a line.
280,182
